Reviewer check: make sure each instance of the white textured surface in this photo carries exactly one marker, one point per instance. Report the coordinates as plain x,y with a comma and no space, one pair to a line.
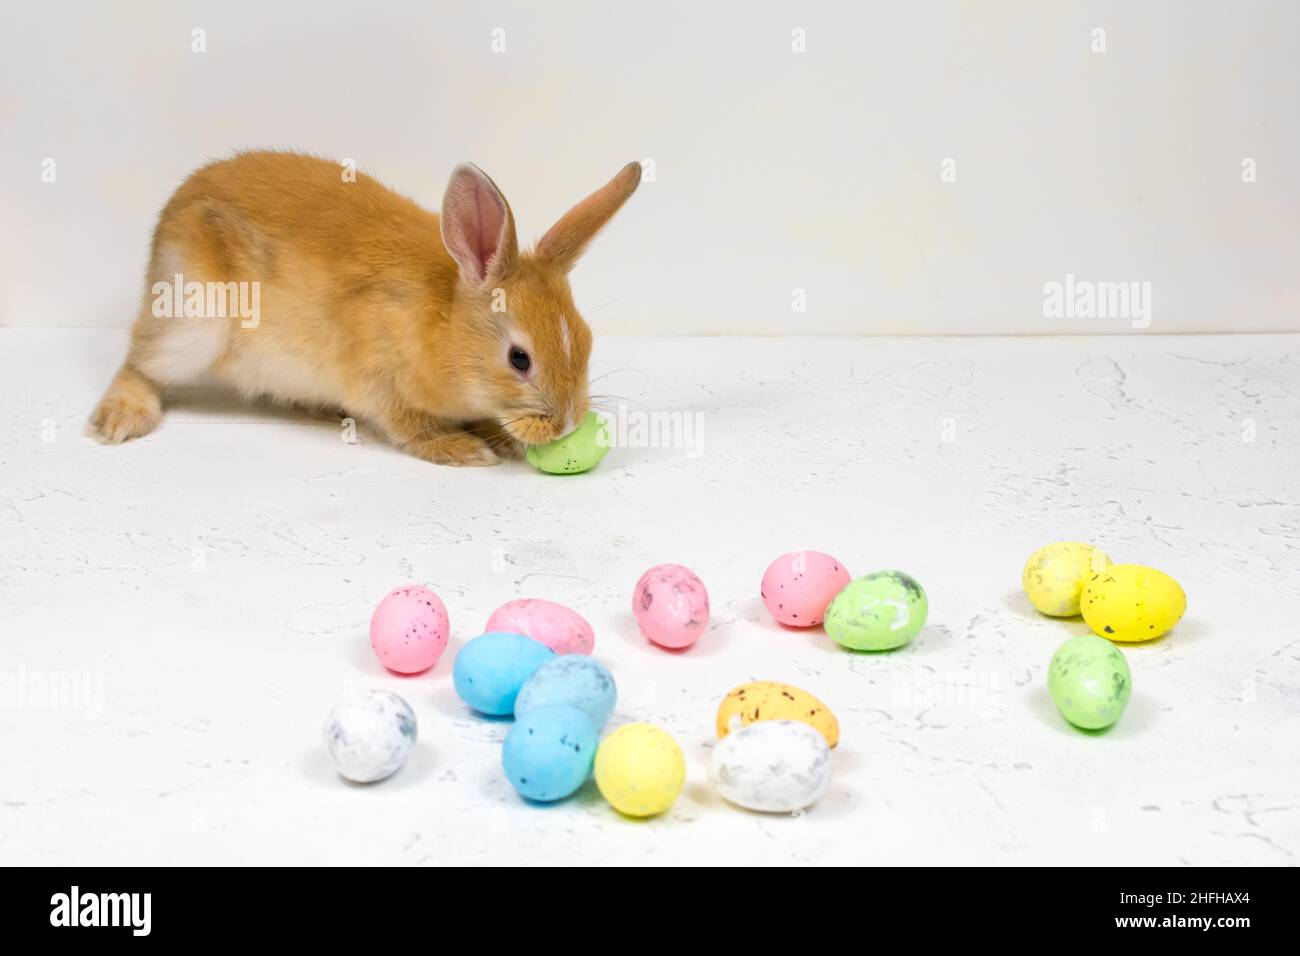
216,579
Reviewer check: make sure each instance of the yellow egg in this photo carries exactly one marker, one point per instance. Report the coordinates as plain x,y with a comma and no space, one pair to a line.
640,770
1128,602
768,700
1054,576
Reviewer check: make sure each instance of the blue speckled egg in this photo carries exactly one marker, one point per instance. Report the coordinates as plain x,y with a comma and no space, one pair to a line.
549,752
490,669
573,679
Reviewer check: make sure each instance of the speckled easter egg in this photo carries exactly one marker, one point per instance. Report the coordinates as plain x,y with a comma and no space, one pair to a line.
562,629
490,670
878,612
768,700
640,770
368,734
1089,681
776,766
1054,576
576,680
1129,602
798,586
671,605
549,751
409,629
580,450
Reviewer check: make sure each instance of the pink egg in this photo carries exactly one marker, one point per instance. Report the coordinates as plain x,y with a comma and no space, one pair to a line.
798,586
409,629
671,605
563,630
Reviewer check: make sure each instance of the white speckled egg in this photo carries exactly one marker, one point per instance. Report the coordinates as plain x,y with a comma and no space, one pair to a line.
368,734
775,766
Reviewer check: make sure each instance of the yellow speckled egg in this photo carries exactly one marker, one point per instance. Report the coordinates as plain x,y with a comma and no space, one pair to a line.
640,770
1129,602
768,700
1054,576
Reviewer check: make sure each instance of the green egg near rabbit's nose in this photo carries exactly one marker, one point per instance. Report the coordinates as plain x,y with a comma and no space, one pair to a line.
580,450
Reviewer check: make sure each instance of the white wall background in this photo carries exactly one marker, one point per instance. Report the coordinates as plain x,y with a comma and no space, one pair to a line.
775,170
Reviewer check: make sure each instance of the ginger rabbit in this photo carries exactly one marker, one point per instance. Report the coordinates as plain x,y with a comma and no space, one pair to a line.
435,329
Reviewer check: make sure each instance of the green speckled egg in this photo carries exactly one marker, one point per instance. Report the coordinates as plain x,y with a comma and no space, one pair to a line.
1089,681
580,450
877,612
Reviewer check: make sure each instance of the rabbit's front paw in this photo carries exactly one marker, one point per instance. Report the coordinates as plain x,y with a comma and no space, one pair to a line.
503,444
458,448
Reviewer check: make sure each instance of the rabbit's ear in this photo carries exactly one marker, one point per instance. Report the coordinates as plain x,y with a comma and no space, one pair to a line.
478,228
565,241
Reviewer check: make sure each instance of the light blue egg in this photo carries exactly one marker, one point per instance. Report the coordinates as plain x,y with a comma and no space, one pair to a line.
549,752
573,679
490,669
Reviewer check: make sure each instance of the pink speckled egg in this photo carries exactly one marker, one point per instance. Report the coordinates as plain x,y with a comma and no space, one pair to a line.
563,630
798,586
409,629
671,605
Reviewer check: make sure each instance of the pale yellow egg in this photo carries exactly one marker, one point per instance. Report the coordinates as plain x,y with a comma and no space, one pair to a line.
1054,576
640,770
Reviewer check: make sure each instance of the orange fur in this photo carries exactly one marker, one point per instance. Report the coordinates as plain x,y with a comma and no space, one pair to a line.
369,303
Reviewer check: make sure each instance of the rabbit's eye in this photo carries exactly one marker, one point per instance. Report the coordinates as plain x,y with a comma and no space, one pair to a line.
519,360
